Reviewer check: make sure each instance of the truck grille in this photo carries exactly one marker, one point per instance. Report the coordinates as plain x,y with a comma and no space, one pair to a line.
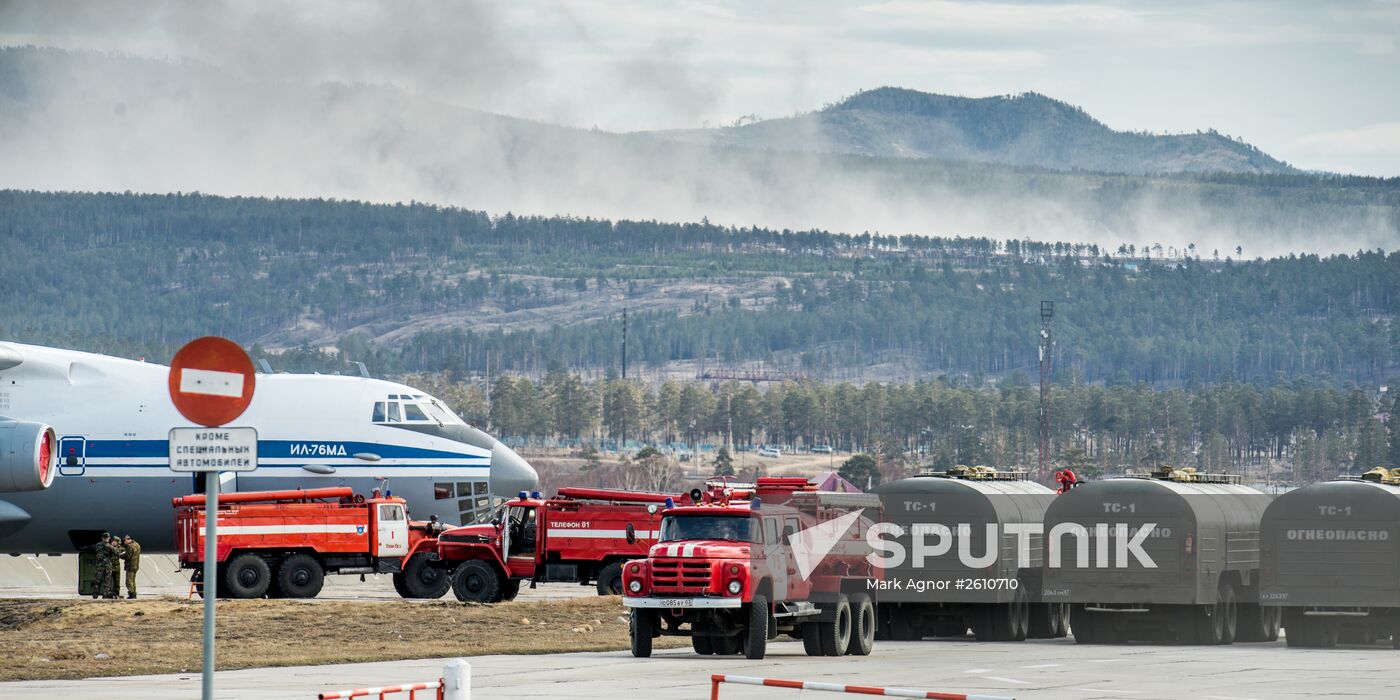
679,576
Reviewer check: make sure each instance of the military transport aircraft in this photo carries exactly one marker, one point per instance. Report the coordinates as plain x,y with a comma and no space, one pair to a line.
83,448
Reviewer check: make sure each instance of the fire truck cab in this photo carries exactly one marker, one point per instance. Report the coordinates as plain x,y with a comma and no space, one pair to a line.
581,535
281,544
732,574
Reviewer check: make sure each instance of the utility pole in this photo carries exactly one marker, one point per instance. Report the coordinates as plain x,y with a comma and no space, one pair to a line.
1047,368
622,443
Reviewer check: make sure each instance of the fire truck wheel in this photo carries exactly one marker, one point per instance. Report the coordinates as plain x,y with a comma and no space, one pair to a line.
300,576
421,579
728,646
812,638
247,576
475,581
641,629
756,634
702,644
835,635
610,579
510,589
863,631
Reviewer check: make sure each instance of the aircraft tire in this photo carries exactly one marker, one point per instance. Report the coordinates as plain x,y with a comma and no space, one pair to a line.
476,581
300,576
247,576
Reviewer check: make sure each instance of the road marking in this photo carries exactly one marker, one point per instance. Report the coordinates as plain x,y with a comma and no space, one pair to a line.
999,679
1042,666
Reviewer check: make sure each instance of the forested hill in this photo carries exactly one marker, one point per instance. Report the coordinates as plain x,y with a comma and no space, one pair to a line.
1027,129
418,287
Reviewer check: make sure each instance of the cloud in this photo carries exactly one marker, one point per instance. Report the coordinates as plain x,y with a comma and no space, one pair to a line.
1373,149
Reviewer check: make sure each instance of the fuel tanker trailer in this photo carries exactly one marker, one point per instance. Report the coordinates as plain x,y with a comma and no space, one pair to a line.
1171,554
977,563
1331,561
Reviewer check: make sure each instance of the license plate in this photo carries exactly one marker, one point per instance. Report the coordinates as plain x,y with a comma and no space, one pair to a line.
675,602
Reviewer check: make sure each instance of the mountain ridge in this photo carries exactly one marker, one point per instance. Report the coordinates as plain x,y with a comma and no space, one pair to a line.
1029,129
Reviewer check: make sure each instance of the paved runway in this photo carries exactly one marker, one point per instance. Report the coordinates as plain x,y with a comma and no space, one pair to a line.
1049,670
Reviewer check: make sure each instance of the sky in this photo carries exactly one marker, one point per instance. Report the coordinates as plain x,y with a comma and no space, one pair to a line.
1312,83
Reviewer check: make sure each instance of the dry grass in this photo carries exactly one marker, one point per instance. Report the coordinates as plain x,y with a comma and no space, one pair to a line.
45,639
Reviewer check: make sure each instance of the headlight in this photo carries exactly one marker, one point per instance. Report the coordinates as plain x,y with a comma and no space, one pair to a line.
635,586
735,587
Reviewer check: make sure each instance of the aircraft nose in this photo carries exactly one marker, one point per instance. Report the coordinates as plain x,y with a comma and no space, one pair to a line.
510,473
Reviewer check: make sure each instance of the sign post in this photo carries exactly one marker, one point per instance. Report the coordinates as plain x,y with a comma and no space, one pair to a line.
211,383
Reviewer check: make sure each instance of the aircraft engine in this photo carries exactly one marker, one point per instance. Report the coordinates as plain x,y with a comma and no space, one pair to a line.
28,455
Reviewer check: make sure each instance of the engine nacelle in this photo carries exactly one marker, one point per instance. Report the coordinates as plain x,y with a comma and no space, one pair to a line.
28,455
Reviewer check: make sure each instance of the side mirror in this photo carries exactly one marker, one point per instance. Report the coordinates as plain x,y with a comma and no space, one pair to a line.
496,524
631,534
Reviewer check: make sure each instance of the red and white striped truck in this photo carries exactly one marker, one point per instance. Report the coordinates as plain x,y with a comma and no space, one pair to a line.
581,535
732,574
281,544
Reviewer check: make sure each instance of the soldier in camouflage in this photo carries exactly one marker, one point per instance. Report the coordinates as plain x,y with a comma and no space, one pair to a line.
131,558
102,552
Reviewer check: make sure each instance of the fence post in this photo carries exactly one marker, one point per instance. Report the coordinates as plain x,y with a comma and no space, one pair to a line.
457,680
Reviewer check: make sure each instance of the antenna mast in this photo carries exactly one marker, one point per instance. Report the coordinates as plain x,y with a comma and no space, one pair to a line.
1047,368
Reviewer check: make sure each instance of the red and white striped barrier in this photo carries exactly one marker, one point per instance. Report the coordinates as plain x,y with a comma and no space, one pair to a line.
411,688
718,678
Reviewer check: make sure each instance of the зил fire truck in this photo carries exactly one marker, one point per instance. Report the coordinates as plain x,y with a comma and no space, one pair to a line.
732,574
283,543
580,536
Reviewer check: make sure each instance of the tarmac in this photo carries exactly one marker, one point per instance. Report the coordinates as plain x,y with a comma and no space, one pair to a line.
1040,669
1033,670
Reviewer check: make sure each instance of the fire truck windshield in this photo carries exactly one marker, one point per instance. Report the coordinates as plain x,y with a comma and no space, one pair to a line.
738,528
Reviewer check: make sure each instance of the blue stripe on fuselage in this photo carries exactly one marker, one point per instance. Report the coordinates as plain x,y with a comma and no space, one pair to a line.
278,449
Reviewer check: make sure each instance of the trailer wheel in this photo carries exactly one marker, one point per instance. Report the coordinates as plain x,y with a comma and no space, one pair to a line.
1230,621
247,576
610,579
1042,623
863,631
1082,625
421,579
1257,623
475,581
641,629
836,635
300,576
702,644
756,634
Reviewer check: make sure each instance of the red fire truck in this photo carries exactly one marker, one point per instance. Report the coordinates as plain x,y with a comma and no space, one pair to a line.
731,575
283,543
580,536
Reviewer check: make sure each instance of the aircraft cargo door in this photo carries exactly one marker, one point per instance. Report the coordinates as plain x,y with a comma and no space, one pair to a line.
72,456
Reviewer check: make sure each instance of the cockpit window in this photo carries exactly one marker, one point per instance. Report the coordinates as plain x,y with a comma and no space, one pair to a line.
394,416
378,412
412,412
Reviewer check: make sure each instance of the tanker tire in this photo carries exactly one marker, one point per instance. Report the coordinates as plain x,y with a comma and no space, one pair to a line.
510,589
422,580
1210,624
1082,625
1020,616
1229,624
811,638
475,581
1044,621
610,579
641,628
300,576
1257,623
835,635
702,644
728,646
901,627
863,631
247,576
756,632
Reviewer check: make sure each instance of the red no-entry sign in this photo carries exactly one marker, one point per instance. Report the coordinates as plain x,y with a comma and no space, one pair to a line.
211,381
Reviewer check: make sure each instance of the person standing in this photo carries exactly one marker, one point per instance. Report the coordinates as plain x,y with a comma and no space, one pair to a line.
131,558
114,568
102,561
